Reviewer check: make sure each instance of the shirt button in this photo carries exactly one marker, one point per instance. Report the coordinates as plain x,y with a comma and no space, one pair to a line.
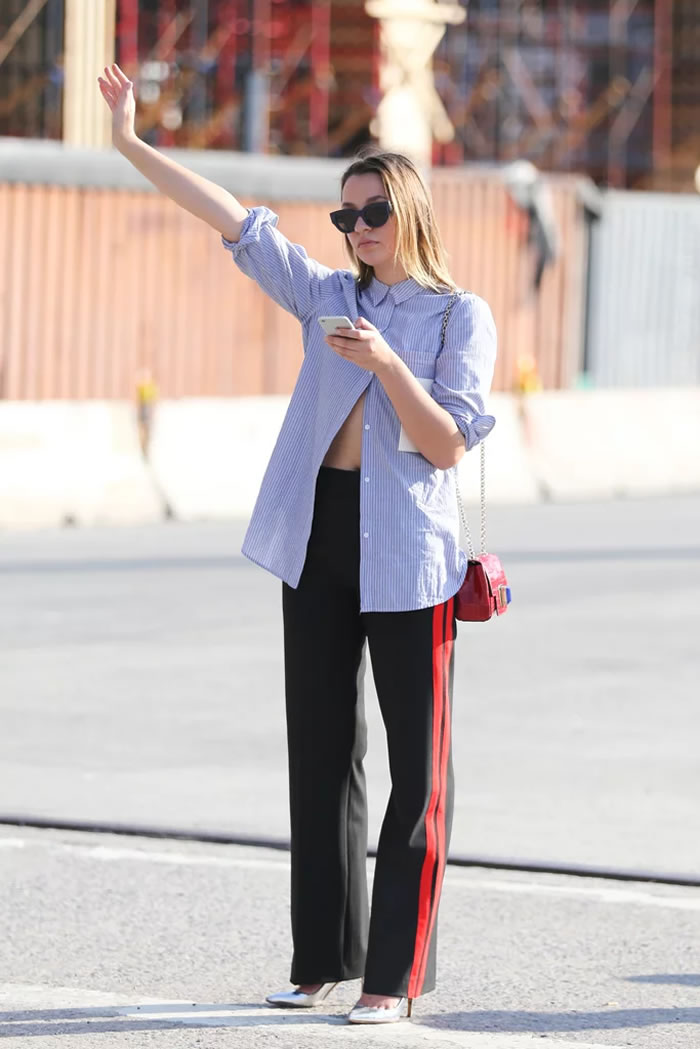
366,478
366,535
366,426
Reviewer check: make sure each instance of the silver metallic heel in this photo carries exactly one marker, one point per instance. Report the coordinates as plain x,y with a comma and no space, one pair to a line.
299,999
373,1014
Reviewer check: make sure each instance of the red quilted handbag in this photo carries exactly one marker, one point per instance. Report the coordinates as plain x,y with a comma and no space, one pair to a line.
485,589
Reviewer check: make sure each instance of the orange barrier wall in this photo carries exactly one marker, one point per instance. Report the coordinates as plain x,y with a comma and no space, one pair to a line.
486,237
97,282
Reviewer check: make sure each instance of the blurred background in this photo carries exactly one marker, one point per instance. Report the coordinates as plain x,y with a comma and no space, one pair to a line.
561,140
143,381
606,87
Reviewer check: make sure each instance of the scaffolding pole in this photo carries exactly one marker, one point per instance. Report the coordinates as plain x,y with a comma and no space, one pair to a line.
128,36
320,73
663,86
20,25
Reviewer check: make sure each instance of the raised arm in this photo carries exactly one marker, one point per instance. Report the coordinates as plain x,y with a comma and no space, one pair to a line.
206,200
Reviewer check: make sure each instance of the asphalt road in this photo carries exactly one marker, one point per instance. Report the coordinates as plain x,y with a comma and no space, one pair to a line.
141,682
111,943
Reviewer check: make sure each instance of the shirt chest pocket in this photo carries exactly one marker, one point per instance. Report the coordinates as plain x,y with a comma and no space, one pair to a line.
421,362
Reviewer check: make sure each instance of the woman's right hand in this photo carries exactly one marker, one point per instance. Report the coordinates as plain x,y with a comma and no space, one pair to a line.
118,92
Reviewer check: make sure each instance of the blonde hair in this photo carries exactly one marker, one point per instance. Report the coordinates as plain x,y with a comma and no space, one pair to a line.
419,248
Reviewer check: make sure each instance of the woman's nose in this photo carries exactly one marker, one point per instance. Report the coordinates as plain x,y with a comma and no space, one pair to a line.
361,226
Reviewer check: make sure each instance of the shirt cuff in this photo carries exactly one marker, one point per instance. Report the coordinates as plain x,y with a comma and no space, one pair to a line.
475,429
255,221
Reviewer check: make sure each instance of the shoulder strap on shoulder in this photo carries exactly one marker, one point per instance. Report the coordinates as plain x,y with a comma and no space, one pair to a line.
446,316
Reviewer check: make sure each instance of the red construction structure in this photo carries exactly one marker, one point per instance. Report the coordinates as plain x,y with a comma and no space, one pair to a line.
608,87
291,76
602,86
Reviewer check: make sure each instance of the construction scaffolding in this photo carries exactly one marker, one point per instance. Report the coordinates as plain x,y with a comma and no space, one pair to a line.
607,87
31,68
674,171
273,76
278,76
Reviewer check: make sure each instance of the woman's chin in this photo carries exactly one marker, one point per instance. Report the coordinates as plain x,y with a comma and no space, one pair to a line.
370,256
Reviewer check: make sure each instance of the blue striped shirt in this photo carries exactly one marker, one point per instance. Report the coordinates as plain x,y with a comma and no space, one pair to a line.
409,525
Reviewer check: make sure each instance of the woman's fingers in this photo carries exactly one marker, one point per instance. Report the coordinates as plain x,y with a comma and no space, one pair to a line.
112,80
342,344
109,83
117,85
107,93
347,335
121,78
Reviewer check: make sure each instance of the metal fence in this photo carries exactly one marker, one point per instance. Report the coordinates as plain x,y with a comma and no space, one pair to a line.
644,309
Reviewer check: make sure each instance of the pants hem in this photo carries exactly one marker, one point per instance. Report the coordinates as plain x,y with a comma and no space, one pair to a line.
294,978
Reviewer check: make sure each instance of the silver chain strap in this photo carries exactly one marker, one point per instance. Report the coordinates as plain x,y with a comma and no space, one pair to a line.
465,523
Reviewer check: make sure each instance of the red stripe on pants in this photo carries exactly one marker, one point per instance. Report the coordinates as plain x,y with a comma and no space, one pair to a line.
425,917
441,813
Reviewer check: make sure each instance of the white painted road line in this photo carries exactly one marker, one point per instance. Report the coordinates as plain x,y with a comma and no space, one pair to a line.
454,877
88,851
603,895
73,1008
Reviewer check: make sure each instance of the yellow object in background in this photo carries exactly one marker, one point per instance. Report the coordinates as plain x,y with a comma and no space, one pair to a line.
146,397
527,377
146,389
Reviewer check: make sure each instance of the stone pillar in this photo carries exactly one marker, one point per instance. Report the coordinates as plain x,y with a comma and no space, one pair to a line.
89,47
410,113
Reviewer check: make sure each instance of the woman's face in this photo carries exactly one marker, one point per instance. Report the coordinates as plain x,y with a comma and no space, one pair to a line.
375,246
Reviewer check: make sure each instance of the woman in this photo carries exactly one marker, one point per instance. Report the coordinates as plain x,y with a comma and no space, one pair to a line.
357,516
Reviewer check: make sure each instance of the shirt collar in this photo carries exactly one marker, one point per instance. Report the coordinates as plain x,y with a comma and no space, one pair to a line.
377,291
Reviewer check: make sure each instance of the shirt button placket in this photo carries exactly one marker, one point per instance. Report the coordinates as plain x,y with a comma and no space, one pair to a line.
365,535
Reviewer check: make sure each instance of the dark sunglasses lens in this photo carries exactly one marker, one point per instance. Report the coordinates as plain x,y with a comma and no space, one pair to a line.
377,214
373,215
345,220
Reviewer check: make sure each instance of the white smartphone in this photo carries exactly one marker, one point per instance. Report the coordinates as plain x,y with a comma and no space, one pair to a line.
329,324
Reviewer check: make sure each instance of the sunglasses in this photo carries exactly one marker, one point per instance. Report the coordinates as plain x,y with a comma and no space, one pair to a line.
373,215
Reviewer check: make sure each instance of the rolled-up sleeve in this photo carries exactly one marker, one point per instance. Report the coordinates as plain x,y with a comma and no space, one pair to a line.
464,368
282,269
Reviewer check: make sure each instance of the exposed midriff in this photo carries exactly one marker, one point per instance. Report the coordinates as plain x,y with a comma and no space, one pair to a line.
345,451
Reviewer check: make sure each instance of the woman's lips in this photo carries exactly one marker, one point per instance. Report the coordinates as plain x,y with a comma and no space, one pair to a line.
367,243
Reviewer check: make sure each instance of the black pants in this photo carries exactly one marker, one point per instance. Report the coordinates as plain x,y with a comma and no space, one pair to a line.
412,662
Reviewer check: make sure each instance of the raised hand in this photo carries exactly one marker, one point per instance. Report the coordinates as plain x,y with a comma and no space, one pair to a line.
118,92
193,192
